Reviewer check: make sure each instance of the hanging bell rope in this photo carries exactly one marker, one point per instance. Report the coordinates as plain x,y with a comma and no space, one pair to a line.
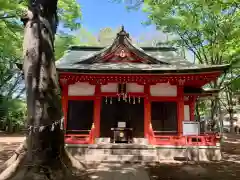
33,129
106,100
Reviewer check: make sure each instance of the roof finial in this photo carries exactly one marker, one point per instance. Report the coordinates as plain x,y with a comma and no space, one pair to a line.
122,32
122,28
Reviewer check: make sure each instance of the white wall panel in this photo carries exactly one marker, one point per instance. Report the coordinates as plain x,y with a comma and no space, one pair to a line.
134,87
163,89
110,87
81,89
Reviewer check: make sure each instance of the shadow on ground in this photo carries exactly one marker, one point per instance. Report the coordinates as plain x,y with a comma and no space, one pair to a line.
118,171
227,169
223,170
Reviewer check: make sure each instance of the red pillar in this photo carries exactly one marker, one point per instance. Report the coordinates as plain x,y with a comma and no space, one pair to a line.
64,93
192,108
147,110
180,108
97,111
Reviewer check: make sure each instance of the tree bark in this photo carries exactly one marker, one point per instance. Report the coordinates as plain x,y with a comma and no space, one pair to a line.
46,157
21,150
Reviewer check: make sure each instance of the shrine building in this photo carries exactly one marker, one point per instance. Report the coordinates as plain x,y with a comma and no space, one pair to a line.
125,96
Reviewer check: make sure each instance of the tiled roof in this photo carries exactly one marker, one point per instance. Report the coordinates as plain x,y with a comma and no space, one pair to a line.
136,68
161,59
71,62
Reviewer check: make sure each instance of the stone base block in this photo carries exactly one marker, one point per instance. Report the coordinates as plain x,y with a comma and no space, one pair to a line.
190,153
128,153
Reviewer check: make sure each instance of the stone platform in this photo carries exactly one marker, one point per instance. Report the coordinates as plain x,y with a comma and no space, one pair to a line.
142,152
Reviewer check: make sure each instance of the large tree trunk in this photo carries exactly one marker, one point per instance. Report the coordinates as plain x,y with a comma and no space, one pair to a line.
45,157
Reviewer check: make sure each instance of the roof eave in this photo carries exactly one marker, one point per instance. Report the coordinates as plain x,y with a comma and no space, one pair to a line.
219,69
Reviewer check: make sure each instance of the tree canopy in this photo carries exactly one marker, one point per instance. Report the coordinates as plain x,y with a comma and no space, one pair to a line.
11,37
210,30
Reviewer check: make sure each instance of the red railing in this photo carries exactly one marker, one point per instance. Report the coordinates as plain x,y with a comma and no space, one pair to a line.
85,136
151,136
92,135
177,140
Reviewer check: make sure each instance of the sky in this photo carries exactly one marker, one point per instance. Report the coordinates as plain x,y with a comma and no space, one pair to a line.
98,14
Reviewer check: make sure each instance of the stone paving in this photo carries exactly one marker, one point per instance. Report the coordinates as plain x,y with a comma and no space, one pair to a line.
115,171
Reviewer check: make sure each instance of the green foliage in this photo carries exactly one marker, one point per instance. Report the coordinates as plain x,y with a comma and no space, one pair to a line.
62,42
11,29
209,29
106,36
12,113
85,38
11,36
82,38
12,110
69,13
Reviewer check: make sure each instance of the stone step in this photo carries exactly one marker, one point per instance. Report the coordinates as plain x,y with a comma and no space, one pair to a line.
102,140
141,141
118,158
138,152
128,152
138,141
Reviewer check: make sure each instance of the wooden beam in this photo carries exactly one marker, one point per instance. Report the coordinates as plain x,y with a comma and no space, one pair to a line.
163,98
147,111
64,87
97,111
180,108
77,98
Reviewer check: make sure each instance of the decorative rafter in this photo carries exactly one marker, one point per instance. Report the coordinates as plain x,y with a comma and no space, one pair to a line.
186,80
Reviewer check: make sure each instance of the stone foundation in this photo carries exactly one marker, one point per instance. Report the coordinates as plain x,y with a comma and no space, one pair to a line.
142,153
193,153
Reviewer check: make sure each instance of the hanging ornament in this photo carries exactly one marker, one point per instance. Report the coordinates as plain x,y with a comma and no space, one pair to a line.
106,101
134,100
139,100
119,97
129,99
111,100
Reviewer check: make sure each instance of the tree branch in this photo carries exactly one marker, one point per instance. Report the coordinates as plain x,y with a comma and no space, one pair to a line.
8,78
222,80
16,83
202,46
8,17
224,105
189,46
